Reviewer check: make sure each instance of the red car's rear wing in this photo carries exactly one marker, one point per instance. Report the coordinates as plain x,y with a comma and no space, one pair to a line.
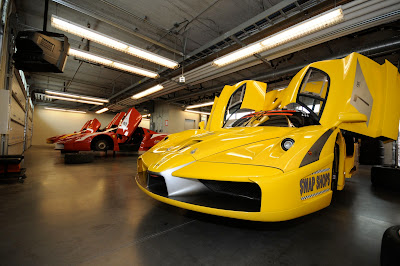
115,121
130,123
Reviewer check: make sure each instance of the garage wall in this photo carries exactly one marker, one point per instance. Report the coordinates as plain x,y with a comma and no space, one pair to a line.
49,123
145,123
174,115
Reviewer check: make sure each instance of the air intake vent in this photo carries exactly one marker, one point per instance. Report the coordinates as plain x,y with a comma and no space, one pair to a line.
188,144
46,44
240,189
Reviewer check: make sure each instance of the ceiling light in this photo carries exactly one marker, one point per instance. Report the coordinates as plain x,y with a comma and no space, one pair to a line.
197,112
148,91
64,110
111,63
76,96
297,31
146,116
105,109
238,54
89,34
72,100
199,105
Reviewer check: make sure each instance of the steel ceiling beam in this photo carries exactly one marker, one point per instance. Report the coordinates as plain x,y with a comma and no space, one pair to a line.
93,14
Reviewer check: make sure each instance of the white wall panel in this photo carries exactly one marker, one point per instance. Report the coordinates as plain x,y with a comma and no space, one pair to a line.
16,149
17,113
18,91
16,133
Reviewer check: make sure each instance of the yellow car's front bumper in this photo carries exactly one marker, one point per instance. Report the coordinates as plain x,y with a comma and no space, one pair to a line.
283,196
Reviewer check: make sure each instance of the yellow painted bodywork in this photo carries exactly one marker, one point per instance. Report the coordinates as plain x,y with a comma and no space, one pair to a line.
289,187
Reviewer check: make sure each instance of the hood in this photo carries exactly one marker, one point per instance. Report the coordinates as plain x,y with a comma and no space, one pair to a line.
247,146
206,144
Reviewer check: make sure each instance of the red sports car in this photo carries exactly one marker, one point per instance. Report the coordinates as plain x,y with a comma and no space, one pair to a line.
127,136
89,127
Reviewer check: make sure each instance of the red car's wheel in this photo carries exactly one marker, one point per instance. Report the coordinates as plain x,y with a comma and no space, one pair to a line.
101,145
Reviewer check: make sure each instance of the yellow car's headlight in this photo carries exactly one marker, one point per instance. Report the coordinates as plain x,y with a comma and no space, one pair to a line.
287,143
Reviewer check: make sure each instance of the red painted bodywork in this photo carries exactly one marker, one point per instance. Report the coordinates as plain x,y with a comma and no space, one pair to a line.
89,127
115,121
127,133
150,139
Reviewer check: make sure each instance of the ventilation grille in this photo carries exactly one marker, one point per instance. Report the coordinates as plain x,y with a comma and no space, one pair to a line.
46,44
241,189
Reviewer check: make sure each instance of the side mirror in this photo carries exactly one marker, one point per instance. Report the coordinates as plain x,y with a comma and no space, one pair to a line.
201,125
352,118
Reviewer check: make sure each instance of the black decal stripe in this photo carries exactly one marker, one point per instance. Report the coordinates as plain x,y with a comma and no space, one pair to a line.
316,149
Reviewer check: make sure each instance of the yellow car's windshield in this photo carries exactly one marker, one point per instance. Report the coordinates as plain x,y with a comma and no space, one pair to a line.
276,118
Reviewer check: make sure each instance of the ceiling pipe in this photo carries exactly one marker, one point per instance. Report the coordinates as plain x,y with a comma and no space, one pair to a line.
46,12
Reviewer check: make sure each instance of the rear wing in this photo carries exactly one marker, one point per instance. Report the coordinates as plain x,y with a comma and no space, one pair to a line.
115,121
130,123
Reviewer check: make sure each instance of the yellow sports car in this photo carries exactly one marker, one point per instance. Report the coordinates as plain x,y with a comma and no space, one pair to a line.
276,155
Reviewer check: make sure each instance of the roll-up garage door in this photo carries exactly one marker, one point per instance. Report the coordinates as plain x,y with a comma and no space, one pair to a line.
16,136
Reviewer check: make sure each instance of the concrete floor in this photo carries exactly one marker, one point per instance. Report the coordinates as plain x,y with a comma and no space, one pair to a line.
95,214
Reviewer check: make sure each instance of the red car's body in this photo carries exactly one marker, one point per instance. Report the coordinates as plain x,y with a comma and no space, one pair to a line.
89,127
127,136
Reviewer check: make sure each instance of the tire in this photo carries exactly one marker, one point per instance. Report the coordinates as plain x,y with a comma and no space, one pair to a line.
385,176
101,145
335,168
390,249
372,152
78,158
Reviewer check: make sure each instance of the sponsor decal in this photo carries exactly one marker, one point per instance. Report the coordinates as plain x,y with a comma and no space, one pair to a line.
315,184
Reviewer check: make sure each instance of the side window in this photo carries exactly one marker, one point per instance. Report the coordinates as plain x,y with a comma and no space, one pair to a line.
314,91
235,102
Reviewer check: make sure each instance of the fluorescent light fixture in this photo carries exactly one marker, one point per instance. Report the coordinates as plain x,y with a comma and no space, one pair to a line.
76,96
197,112
111,63
148,91
199,105
72,100
65,110
146,116
95,36
105,109
294,32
